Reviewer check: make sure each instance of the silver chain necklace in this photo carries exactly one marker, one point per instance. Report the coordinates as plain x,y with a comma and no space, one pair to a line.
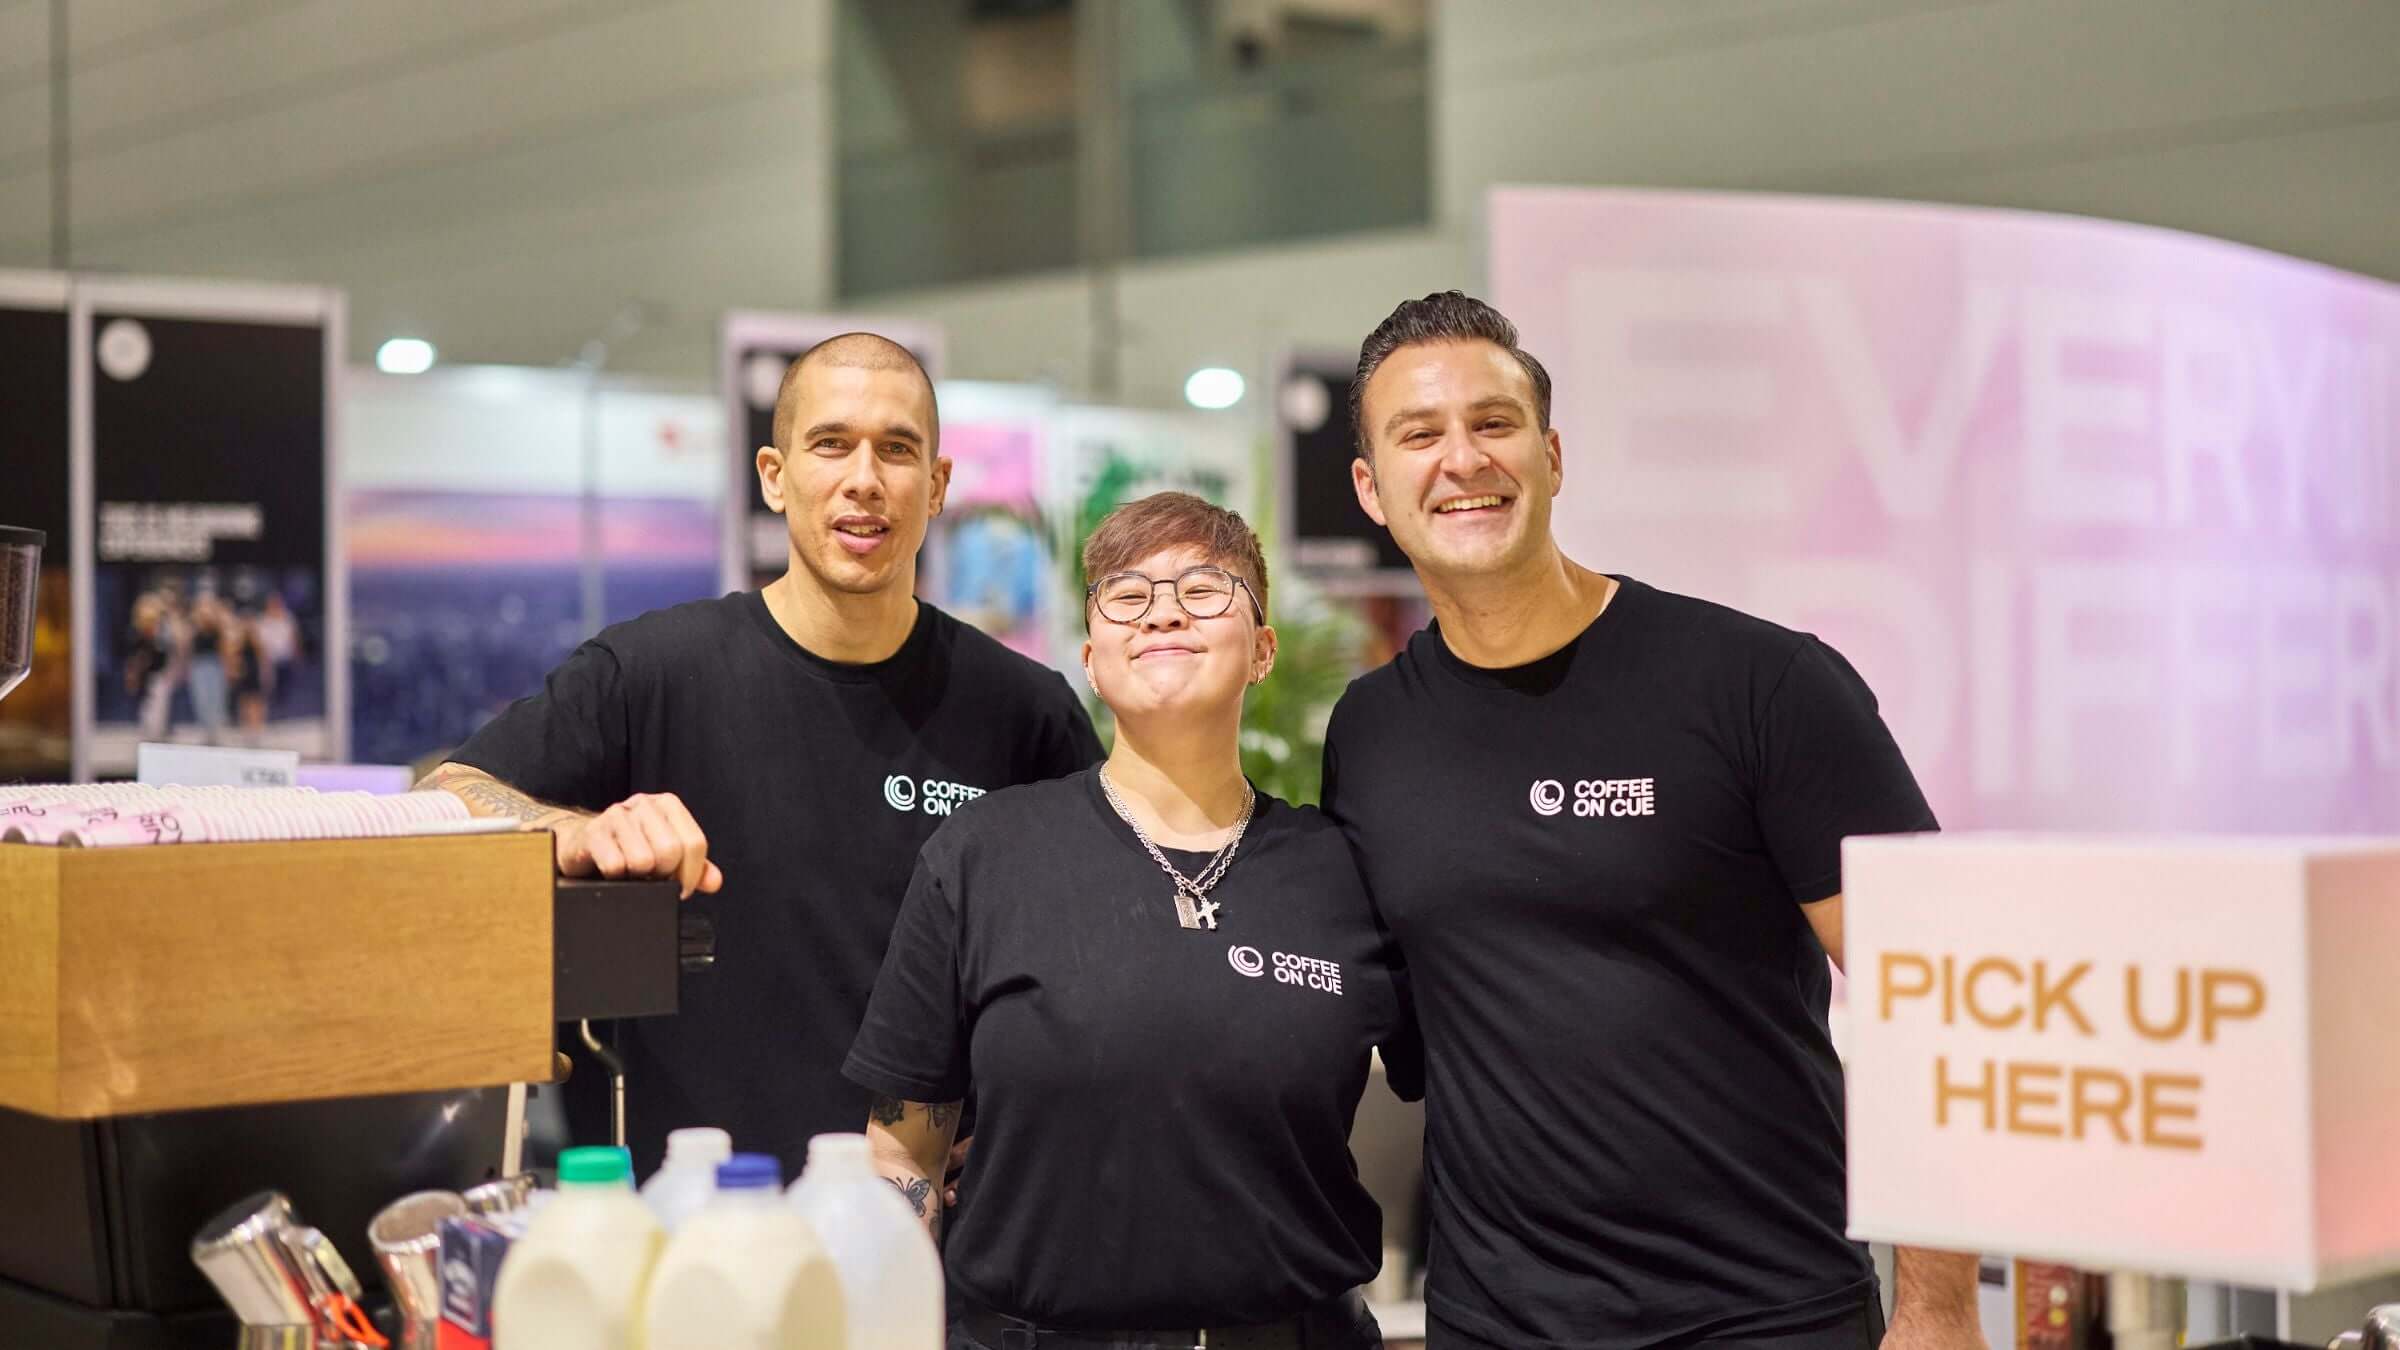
1193,908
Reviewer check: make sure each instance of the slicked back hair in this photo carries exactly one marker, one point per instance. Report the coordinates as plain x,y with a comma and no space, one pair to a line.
1444,316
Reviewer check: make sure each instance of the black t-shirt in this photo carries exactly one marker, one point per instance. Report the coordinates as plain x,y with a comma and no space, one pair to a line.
1162,1114
816,782
1594,866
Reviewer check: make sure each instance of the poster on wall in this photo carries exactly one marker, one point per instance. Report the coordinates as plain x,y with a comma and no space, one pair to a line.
754,350
470,540
214,584
37,720
1333,541
988,557
2108,516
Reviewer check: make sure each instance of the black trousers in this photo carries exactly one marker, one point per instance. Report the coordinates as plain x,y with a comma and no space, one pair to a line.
1859,1328
1337,1324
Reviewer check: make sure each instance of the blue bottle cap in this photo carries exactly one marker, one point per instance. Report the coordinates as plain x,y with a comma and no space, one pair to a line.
749,1172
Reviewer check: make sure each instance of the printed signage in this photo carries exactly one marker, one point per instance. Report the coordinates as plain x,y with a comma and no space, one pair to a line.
2108,516
214,578
2166,1056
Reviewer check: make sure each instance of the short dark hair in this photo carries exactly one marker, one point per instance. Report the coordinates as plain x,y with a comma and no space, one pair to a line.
1444,316
1166,520
871,351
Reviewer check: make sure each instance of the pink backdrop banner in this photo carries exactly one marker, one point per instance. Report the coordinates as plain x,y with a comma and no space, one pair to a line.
2108,515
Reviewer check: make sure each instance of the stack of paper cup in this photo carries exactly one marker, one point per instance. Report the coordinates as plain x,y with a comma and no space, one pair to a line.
248,817
46,820
122,815
143,825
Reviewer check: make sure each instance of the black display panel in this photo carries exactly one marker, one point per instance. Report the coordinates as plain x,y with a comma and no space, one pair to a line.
1332,537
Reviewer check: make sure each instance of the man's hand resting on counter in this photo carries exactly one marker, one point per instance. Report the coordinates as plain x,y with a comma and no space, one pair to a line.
649,834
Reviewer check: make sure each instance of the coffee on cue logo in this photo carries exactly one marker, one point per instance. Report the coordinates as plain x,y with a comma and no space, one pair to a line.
2058,1098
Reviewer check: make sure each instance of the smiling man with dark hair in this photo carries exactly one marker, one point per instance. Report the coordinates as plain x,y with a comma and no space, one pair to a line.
1604,823
784,751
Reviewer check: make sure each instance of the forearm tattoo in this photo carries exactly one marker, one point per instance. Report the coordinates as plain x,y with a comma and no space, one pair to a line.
500,800
491,797
917,1191
886,1111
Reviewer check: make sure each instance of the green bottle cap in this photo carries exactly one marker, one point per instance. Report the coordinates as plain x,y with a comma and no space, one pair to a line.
595,1167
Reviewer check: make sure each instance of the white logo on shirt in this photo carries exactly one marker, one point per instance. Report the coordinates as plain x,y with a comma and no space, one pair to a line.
1307,972
1597,797
934,796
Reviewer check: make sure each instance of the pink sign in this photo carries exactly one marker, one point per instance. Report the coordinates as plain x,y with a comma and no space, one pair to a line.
2109,516
986,560
992,463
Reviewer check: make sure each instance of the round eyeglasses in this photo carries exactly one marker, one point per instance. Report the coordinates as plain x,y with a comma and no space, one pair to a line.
1203,592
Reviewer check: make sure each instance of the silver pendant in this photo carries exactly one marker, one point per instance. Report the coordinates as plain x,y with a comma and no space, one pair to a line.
1185,914
1208,914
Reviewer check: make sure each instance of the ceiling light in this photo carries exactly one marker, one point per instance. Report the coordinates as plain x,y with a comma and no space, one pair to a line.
404,356
1213,387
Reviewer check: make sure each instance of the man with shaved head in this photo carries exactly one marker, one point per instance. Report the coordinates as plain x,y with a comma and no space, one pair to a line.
782,754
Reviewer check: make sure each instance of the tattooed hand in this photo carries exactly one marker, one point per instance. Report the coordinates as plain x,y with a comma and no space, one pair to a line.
645,835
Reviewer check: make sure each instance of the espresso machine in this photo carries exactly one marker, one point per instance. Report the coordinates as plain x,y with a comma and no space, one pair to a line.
173,1229
97,1216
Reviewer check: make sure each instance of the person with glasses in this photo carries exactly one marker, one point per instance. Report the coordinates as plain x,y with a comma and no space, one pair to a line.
1162,988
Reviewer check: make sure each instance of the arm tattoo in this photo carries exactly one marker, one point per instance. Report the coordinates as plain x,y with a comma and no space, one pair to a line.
915,1190
499,799
942,1115
886,1110
488,796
